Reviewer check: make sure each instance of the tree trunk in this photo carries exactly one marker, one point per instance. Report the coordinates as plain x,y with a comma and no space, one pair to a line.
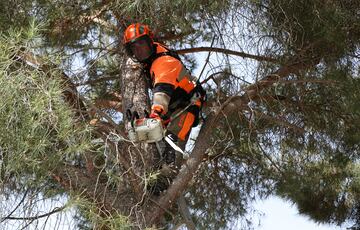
135,97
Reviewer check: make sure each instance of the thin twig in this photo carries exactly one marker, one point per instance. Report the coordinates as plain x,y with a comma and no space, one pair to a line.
55,210
207,59
17,206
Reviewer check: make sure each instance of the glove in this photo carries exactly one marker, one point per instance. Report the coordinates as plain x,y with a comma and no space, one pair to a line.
157,112
156,108
155,116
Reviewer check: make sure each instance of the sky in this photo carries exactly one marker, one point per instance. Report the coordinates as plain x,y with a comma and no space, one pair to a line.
281,215
277,215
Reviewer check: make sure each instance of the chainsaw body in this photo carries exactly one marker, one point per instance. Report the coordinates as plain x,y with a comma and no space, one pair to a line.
147,130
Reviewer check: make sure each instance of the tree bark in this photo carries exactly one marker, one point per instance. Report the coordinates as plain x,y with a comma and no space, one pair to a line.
135,97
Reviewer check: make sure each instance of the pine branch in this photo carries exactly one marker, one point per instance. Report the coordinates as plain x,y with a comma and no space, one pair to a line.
281,122
174,36
227,51
207,58
84,20
71,95
185,213
92,186
66,175
108,104
99,80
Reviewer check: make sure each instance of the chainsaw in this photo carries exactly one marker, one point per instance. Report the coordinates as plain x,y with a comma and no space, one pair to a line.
148,130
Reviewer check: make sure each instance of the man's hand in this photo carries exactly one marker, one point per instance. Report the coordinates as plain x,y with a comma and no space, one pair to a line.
155,115
157,112
157,108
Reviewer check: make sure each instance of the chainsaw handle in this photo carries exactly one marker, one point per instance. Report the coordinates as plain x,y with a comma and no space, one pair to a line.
147,115
128,114
134,116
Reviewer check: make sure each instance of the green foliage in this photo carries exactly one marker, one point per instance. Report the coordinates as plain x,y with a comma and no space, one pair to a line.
93,218
323,26
186,16
69,22
318,162
302,138
13,14
37,131
325,182
299,139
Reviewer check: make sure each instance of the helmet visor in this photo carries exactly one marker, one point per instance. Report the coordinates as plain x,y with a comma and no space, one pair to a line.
141,48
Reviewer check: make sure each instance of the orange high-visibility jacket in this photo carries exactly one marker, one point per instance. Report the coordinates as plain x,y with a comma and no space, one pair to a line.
172,88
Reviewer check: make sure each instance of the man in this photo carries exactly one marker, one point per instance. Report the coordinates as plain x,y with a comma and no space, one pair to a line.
173,87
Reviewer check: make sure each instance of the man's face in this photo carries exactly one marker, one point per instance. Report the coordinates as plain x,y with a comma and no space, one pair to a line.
141,49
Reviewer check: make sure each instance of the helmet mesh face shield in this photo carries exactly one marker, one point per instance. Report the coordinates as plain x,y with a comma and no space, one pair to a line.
141,48
138,41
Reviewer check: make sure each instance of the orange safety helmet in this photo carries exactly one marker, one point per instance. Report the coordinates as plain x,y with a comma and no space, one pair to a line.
138,41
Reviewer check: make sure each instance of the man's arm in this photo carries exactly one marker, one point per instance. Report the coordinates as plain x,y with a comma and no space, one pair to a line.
165,71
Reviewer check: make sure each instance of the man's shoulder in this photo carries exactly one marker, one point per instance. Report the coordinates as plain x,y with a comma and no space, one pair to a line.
165,59
166,62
